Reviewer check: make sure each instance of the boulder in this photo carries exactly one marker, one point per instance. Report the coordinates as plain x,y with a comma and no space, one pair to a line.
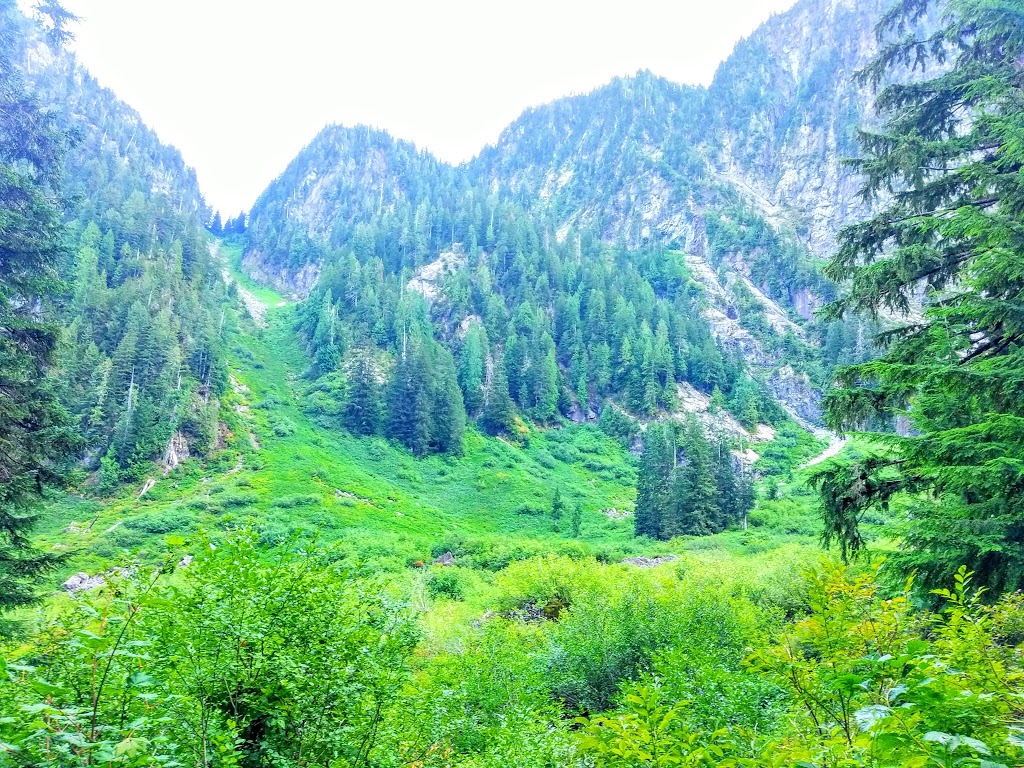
446,559
82,581
649,562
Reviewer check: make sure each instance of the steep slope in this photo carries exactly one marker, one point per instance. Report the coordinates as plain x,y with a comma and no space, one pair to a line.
346,177
114,153
643,158
786,106
744,178
141,362
621,160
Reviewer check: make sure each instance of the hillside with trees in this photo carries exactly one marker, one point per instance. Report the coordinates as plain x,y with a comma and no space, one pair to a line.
142,299
519,467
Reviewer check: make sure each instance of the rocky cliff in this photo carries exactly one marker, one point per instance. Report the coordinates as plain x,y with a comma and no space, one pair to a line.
746,177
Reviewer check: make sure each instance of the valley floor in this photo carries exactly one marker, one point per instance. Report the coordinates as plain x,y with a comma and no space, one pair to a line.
286,467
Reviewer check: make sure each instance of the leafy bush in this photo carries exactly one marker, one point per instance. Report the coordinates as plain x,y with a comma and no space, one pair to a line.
616,424
283,427
248,622
446,582
531,509
545,459
239,499
295,500
166,521
565,453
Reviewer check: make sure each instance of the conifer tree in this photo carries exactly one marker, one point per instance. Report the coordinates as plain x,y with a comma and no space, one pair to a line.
498,415
472,364
544,381
950,154
576,520
361,411
409,400
448,414
557,509
656,464
34,428
694,498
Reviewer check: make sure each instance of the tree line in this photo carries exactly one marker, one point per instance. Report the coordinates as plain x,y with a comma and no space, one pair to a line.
688,485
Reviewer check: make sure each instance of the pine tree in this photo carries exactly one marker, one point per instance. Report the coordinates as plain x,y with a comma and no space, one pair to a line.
361,410
576,520
409,402
544,381
950,151
652,486
472,364
717,401
448,414
515,365
498,416
694,506
34,429
557,509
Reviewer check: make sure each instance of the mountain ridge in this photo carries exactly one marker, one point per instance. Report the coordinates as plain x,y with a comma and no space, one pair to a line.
745,177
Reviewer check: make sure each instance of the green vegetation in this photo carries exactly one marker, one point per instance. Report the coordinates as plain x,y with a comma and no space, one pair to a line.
524,327
384,527
249,657
951,236
687,487
35,436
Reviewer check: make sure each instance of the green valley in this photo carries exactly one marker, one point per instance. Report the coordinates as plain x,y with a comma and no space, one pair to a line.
279,470
682,426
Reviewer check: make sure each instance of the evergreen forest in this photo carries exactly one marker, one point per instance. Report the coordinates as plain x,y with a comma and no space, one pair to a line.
682,426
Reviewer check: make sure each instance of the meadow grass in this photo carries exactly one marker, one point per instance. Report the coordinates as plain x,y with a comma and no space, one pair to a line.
378,507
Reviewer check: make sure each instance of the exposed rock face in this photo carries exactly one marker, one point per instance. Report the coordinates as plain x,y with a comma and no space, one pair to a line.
641,159
427,280
721,424
795,392
805,302
82,581
295,284
177,452
786,156
650,562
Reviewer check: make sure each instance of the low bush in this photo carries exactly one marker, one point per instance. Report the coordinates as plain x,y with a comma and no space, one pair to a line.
446,581
165,521
295,500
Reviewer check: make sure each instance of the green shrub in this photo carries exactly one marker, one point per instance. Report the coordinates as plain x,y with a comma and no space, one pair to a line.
295,500
545,459
618,425
531,509
166,521
240,499
282,426
446,581
565,453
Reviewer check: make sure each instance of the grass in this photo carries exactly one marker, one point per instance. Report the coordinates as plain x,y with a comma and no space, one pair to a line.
232,252
377,505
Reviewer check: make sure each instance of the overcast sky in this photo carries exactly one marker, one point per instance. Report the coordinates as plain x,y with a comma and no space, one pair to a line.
240,86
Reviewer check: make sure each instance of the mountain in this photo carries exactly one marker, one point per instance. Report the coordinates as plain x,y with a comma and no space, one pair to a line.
786,106
344,178
644,158
744,179
140,363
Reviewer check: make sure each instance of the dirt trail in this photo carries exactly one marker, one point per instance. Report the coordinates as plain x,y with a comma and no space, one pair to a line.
256,308
835,445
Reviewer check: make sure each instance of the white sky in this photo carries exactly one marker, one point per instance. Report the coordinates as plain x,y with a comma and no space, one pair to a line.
240,86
